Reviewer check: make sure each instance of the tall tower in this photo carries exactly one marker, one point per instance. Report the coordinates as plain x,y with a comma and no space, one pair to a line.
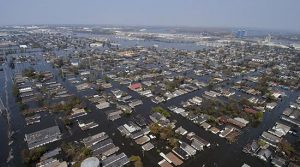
268,39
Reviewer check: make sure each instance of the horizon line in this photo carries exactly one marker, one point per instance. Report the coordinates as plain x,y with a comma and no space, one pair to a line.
167,26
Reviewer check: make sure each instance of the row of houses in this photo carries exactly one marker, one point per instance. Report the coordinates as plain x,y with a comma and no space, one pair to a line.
266,147
101,145
50,158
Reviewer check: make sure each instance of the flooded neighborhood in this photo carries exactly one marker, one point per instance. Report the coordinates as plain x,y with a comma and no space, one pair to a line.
133,96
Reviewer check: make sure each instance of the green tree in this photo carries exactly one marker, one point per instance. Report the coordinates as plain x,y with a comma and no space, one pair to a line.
30,157
259,116
136,161
161,110
286,147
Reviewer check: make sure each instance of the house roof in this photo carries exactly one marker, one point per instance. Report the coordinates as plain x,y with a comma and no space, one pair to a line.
270,137
278,161
164,163
181,153
175,160
266,153
250,110
135,85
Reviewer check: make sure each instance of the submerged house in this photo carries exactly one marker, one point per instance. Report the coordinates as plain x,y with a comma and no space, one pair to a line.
264,154
135,86
43,137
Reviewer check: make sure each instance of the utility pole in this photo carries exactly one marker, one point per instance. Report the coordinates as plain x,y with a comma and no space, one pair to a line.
101,68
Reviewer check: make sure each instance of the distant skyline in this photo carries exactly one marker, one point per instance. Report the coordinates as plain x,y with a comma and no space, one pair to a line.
263,14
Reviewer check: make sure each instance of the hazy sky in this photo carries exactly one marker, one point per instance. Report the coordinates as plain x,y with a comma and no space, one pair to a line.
269,14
